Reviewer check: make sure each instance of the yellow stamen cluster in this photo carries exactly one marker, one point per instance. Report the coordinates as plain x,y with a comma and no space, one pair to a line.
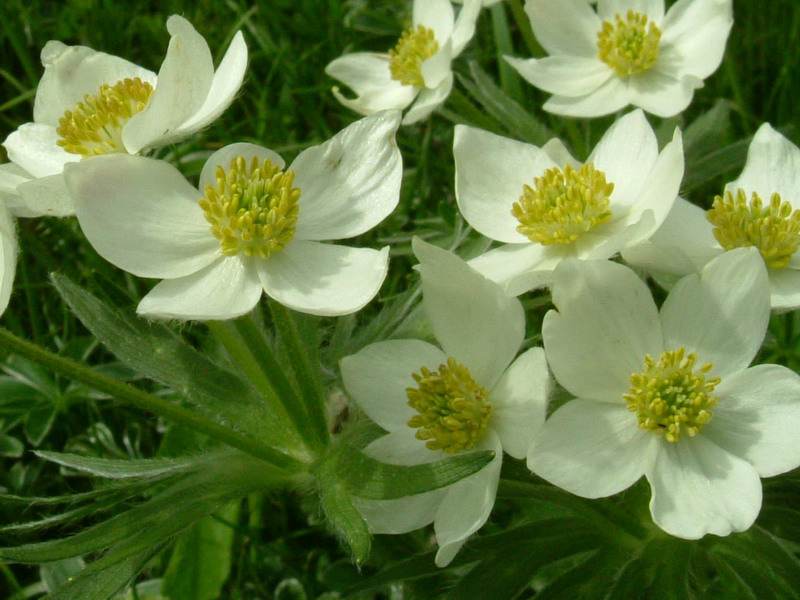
252,209
629,45
413,48
670,398
773,229
95,126
453,409
562,205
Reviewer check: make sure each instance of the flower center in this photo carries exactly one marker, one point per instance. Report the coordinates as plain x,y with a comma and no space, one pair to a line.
252,210
773,229
95,126
413,48
629,45
669,397
563,204
453,409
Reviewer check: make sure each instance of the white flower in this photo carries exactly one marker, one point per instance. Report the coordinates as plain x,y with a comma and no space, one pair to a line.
690,236
628,52
253,226
485,2
535,199
9,178
668,394
480,331
91,103
417,71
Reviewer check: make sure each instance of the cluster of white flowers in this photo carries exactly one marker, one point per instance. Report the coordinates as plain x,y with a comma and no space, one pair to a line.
668,395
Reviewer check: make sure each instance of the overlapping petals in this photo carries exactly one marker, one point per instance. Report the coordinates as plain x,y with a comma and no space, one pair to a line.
491,172
482,329
593,446
143,216
692,41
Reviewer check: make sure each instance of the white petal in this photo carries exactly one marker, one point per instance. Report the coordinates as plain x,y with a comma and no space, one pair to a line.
626,154
773,165
519,268
721,315
8,259
490,173
559,153
465,24
436,68
468,503
687,228
43,197
183,83
757,418
368,75
428,100
605,325
11,176
564,26
71,72
698,29
33,147
654,9
324,279
225,289
401,447
474,321
784,289
519,402
141,215
376,378
224,156
562,74
610,97
224,86
698,488
402,514
662,93
436,15
592,449
350,183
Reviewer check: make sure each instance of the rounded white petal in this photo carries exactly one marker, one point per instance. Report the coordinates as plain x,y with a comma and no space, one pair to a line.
43,197
592,449
699,488
376,378
757,418
784,289
368,75
224,156
490,173
183,83
467,504
519,402
323,279
436,15
428,100
8,259
563,75
227,288
626,154
722,314
519,268
605,325
141,215
564,26
225,84
350,183
474,321
33,147
401,447
698,30
465,24
610,97
71,72
654,9
435,69
401,514
773,165
559,153
661,93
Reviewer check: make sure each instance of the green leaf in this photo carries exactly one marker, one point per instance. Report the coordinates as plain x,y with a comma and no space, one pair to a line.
721,160
155,351
339,508
56,574
113,468
201,561
366,477
705,133
11,446
39,421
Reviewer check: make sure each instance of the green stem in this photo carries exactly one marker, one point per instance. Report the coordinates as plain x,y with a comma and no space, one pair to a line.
509,80
131,395
524,24
17,590
309,375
